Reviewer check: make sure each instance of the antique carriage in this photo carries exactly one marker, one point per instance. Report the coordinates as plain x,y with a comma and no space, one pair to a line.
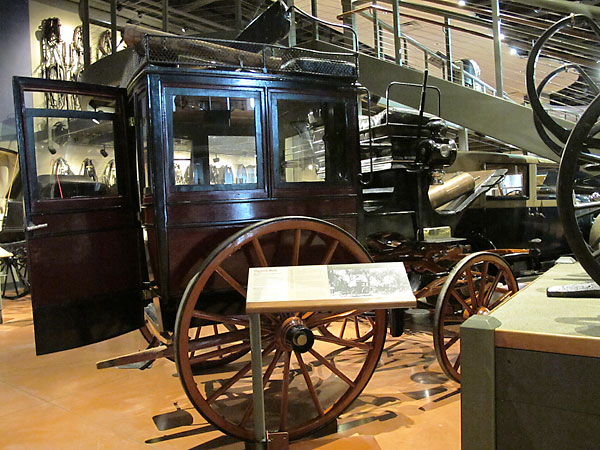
146,206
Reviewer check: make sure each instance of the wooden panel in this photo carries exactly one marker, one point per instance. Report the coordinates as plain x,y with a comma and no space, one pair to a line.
85,220
181,214
189,247
80,265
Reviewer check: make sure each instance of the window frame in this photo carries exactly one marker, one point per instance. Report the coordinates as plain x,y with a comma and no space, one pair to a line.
169,94
281,187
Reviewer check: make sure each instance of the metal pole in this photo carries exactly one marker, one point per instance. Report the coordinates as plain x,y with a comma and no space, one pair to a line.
397,32
376,37
314,13
113,25
165,15
84,15
463,133
238,15
257,385
448,36
292,34
349,20
497,47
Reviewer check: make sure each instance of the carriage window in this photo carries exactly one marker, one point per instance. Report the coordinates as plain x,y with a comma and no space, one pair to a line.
513,185
546,179
74,157
214,141
311,141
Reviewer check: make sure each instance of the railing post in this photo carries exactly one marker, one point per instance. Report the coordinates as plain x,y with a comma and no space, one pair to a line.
238,15
448,36
376,36
349,20
314,12
165,15
463,133
497,47
292,34
397,32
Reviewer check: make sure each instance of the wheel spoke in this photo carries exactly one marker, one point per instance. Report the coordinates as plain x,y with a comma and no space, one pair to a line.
330,252
284,393
233,320
453,340
259,252
323,319
482,283
499,301
356,329
221,339
266,378
234,379
343,342
472,294
309,384
456,364
492,288
232,281
296,251
331,367
219,352
460,300
344,323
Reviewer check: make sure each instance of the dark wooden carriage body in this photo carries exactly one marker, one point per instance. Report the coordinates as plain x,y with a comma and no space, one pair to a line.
88,254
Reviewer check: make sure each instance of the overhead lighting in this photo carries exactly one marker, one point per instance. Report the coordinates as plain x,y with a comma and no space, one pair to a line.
96,121
461,3
501,36
513,51
183,29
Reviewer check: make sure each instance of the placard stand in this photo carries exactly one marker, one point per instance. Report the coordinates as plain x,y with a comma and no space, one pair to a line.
315,288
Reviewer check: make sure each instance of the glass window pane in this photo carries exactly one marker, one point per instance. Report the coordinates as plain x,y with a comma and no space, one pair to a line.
514,183
312,137
74,157
214,141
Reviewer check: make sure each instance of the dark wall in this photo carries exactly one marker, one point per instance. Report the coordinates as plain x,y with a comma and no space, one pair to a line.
15,58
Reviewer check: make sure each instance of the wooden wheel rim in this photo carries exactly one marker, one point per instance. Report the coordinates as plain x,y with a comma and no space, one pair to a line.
195,287
480,303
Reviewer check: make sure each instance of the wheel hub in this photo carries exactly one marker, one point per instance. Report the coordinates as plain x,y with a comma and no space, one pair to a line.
295,335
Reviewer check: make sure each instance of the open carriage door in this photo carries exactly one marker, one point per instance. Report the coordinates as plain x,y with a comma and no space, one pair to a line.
81,205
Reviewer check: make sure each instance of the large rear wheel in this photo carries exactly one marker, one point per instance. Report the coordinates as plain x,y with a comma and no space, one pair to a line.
312,372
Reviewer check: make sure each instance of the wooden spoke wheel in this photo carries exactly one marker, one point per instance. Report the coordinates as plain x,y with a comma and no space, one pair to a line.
310,377
155,338
16,284
354,326
578,188
478,284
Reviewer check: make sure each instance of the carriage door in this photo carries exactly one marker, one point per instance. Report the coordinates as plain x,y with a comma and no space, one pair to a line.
81,206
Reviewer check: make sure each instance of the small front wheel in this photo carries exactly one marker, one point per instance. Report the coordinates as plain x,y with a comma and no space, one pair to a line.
478,284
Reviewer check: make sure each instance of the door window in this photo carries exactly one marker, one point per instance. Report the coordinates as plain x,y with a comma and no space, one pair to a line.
75,157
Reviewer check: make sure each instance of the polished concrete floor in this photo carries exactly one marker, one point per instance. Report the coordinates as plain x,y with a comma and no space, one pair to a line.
61,401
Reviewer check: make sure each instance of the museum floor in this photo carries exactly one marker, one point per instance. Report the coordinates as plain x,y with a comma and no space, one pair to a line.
61,401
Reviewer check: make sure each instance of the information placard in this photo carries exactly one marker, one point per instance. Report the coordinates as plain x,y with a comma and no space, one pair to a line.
334,287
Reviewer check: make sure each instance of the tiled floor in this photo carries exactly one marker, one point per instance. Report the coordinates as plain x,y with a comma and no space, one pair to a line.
61,401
